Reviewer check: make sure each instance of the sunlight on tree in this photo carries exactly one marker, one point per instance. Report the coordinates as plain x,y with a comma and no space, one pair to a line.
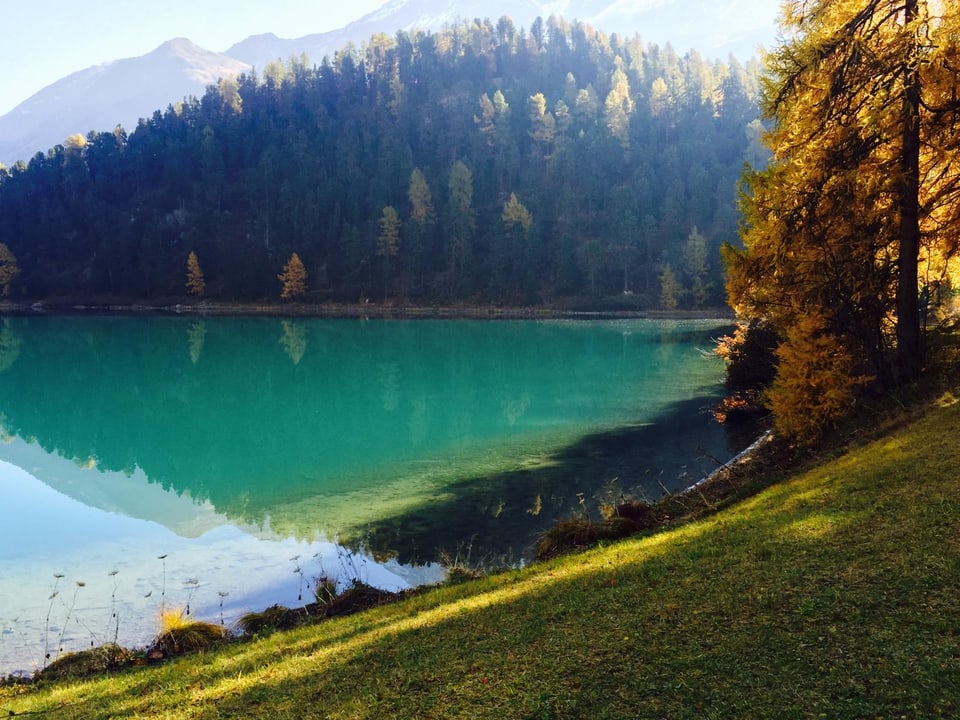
195,283
293,278
8,269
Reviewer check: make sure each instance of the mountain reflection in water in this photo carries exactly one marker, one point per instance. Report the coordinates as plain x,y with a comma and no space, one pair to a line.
322,439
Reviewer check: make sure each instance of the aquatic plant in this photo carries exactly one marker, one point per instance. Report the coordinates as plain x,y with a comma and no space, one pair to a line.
46,628
192,584
163,583
114,615
66,620
222,595
297,570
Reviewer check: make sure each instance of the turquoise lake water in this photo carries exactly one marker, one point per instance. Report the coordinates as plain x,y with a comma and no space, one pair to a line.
225,463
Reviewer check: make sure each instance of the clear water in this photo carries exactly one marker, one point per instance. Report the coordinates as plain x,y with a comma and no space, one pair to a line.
225,463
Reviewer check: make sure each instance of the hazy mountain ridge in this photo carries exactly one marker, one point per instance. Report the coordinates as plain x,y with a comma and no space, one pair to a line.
103,96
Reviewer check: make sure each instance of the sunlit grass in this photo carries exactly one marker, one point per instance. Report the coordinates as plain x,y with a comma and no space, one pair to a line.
831,594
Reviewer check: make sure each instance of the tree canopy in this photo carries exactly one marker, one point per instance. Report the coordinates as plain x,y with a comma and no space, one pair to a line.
617,149
856,218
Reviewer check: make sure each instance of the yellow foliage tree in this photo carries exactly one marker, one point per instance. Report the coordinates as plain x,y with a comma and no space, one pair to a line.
861,101
293,278
670,289
8,268
816,383
196,285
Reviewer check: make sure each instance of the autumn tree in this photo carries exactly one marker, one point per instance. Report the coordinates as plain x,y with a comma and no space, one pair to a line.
8,269
196,285
514,257
293,278
858,95
618,107
670,289
422,220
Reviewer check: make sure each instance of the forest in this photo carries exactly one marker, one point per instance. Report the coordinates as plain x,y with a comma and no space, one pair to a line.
481,163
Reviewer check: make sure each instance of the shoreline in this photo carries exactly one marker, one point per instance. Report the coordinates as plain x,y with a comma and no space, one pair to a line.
350,311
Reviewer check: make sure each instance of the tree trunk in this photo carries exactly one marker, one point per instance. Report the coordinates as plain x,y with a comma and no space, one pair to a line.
909,345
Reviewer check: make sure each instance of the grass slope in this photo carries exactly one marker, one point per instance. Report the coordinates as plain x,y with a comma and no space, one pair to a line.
831,594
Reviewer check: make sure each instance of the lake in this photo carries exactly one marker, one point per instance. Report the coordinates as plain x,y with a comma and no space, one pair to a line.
223,464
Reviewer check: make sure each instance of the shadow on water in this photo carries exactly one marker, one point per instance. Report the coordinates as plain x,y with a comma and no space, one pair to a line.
363,429
507,511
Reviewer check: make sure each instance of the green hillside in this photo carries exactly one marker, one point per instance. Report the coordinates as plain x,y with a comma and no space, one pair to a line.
479,164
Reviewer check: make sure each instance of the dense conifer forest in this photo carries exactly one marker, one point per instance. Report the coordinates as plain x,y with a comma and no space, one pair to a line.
482,163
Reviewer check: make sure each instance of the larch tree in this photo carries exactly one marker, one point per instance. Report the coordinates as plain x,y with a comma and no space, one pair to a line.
618,107
670,289
196,285
8,269
858,95
422,219
293,278
513,260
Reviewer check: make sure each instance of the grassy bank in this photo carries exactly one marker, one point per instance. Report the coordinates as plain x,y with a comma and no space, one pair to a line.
831,594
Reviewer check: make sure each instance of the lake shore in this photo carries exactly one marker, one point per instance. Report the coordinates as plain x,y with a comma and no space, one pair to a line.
833,574
399,311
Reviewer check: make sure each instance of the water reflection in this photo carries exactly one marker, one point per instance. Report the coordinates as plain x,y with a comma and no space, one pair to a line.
294,340
196,334
123,548
10,342
372,420
235,445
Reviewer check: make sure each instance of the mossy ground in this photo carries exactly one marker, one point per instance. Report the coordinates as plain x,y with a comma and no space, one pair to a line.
832,593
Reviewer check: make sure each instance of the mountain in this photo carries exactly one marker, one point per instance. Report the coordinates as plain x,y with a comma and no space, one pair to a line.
731,26
392,16
116,93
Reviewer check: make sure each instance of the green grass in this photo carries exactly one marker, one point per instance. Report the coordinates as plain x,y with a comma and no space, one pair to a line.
835,594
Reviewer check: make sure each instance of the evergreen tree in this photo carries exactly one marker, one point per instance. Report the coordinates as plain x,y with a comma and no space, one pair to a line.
696,266
306,157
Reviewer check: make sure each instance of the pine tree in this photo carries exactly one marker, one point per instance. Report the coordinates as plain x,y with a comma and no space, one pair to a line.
293,278
195,282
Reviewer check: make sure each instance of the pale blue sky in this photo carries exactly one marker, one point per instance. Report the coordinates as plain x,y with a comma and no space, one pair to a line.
44,40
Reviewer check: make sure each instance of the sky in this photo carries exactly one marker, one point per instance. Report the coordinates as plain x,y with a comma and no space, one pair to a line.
46,40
